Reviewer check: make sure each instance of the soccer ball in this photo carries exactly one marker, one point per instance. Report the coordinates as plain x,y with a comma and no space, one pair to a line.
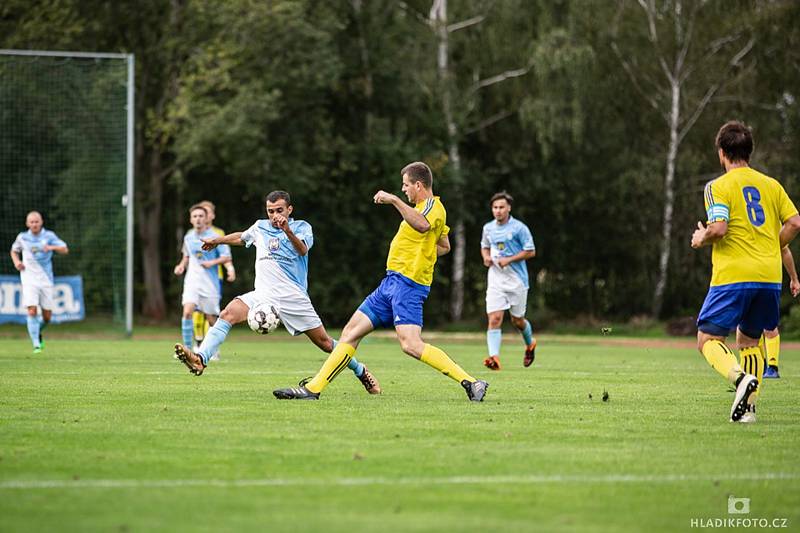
263,318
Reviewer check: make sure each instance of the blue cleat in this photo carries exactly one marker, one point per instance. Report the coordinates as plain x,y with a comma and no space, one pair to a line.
771,372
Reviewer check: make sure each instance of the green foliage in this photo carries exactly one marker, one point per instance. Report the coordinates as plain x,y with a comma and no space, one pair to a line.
330,99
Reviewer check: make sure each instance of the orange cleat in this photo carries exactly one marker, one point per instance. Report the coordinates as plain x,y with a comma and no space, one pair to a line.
530,353
492,363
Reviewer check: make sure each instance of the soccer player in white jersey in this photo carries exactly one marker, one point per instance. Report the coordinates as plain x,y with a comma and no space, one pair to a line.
506,244
201,289
35,266
282,245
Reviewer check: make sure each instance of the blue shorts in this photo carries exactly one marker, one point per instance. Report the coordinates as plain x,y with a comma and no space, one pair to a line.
397,300
751,309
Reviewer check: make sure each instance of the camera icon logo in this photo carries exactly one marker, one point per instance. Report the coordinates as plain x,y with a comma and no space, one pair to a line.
738,505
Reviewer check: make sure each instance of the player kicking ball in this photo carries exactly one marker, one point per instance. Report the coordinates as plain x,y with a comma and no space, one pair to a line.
398,300
36,246
506,243
282,245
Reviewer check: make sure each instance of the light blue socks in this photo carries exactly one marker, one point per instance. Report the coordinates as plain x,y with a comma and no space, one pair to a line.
187,330
34,329
527,333
215,336
494,338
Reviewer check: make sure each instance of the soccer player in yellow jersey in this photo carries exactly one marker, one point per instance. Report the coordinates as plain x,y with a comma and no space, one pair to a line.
750,219
421,238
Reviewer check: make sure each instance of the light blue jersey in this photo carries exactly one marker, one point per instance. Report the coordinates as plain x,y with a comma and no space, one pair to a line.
38,263
505,240
277,261
203,280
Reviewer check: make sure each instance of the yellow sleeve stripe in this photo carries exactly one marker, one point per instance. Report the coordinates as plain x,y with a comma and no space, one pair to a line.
428,206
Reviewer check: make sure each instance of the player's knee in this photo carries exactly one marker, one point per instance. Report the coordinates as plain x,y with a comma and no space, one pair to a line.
495,321
413,348
519,322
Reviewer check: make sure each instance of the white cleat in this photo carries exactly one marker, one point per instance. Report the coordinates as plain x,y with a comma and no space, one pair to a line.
748,418
748,384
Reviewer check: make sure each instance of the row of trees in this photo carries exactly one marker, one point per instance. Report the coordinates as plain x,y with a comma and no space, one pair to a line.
597,116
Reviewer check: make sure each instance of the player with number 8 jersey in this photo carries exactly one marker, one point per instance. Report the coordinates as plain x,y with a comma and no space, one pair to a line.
750,219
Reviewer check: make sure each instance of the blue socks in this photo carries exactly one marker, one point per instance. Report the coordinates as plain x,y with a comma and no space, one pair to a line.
494,338
527,333
215,336
34,329
187,331
356,367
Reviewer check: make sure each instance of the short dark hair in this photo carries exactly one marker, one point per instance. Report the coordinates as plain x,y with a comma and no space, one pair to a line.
735,140
198,206
274,196
418,171
502,195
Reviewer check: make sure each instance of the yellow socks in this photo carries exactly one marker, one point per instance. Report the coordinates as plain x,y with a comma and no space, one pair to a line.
439,360
722,359
771,348
336,362
753,363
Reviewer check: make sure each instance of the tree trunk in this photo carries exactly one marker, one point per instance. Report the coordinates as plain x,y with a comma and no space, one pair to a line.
438,16
669,199
150,208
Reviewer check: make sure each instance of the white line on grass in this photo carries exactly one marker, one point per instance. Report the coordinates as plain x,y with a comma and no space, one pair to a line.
367,481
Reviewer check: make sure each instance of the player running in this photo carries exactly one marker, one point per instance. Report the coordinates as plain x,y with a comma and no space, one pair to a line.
36,246
750,219
282,245
201,288
399,298
506,244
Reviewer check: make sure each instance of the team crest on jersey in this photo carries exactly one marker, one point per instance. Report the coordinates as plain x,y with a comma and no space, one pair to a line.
274,244
501,246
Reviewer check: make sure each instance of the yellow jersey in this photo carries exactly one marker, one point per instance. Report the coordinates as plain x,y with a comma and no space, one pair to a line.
412,253
755,207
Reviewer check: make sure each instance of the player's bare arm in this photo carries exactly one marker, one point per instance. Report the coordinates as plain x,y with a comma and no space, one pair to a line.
708,235
788,264
282,223
486,254
413,218
214,262
180,268
443,246
18,264
63,250
790,230
524,255
234,239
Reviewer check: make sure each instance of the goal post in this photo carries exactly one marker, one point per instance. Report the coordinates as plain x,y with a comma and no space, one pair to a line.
67,151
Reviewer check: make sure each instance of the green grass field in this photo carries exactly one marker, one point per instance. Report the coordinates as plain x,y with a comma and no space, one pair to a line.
115,435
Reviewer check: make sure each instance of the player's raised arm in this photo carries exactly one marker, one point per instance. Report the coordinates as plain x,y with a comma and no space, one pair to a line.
282,223
234,239
413,218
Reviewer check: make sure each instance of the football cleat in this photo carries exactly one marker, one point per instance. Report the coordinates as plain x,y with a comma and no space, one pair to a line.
492,362
530,353
295,393
37,349
192,361
369,381
476,390
745,387
771,372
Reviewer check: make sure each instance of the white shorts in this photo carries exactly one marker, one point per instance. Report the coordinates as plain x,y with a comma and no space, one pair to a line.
515,301
205,304
296,312
41,295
